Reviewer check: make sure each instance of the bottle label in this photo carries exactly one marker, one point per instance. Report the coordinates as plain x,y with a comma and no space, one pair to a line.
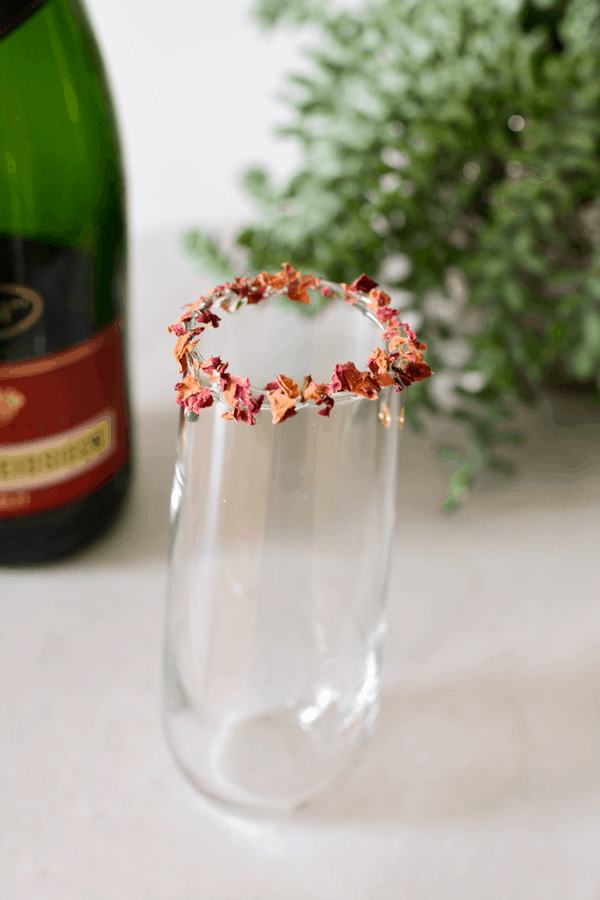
14,12
63,424
46,298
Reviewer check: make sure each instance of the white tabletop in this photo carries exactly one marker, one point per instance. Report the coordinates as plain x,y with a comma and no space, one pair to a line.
483,781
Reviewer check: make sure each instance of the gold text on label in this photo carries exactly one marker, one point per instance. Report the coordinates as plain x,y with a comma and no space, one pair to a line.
38,464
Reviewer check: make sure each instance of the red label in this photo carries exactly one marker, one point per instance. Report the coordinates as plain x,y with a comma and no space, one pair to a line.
63,424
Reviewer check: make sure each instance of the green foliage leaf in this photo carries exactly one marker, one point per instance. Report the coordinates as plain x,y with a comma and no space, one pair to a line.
296,12
255,182
205,252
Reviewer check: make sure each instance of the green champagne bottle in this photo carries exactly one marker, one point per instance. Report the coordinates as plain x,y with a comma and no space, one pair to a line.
64,437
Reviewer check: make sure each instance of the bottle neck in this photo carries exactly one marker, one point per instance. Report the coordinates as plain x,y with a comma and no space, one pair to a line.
14,12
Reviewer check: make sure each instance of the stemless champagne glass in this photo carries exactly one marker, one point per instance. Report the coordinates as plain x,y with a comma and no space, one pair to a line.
281,541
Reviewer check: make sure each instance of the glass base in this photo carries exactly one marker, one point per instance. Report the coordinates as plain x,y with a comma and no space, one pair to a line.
264,765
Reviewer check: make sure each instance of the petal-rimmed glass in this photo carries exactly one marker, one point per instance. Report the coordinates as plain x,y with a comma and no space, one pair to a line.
281,540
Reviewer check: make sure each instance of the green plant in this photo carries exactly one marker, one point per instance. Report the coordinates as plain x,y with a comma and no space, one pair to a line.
451,150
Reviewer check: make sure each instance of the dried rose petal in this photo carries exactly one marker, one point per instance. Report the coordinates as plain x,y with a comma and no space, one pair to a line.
391,329
255,403
256,296
314,391
252,290
282,406
305,383
397,341
235,389
347,378
414,371
223,377
380,359
192,307
349,294
298,288
240,413
364,284
408,331
368,386
244,385
386,313
184,345
227,387
243,413
320,393
378,300
418,371
263,279
338,381
288,386
202,400
179,350
328,406
213,365
405,380
185,388
208,318
379,364
280,279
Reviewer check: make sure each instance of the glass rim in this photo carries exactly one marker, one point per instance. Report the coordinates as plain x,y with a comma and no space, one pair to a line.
340,397
401,365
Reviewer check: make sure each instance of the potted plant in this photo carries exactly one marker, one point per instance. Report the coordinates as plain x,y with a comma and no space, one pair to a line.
451,150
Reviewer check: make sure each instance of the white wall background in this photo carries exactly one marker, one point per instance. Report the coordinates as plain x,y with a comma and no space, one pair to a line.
194,82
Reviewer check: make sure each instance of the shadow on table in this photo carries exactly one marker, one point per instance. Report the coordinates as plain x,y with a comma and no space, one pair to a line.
472,748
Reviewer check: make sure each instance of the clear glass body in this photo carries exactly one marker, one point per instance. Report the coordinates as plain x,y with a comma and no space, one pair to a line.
280,556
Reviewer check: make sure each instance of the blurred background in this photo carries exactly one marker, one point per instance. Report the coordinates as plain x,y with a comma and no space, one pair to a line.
195,89
448,148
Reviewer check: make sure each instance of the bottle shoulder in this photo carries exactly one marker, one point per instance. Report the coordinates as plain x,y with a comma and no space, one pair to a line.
59,152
